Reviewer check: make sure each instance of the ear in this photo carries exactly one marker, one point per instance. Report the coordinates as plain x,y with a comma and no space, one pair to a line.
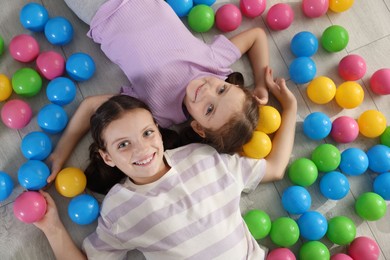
106,158
198,128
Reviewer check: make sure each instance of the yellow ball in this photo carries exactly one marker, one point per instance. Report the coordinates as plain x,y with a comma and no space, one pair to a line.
5,87
70,182
321,90
372,123
259,146
349,94
339,6
269,119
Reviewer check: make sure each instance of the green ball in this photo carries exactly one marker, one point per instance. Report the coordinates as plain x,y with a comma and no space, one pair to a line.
201,18
284,232
258,222
26,82
303,172
341,230
1,45
314,250
335,38
385,137
370,206
326,157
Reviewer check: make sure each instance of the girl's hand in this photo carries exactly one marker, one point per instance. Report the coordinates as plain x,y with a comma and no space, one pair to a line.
280,90
56,166
261,94
51,220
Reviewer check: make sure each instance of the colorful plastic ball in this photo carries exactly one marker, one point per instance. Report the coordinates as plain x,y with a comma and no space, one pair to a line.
70,182
58,31
317,125
296,200
334,185
6,185
34,17
36,146
370,206
33,174
80,66
30,207
315,8
26,82
372,123
83,209
335,38
314,250
321,90
304,44
340,256
16,114
341,230
259,146
345,129
381,185
354,161
269,119
252,8
326,157
385,137
339,6
228,18
303,172
281,253
204,2
280,16
181,7
364,248
380,82
24,48
302,70
61,91
50,64
379,158
352,67
201,18
5,87
52,118
284,232
1,45
312,225
258,222
349,95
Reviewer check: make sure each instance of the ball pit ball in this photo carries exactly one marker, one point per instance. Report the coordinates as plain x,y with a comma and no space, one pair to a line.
317,125
284,232
341,230
326,157
6,185
24,48
352,67
296,200
269,119
302,70
370,206
80,66
52,118
312,225
304,44
33,174
181,7
281,253
385,137
321,90
380,82
26,82
302,172
58,31
334,185
36,146
83,209
280,16
349,95
339,6
50,64
30,207
381,185
334,38
364,248
70,182
313,250
252,8
345,129
201,18
5,87
315,8
379,158
1,45
204,2
340,256
34,17
354,161
61,91
372,123
258,222
16,114
259,146
228,18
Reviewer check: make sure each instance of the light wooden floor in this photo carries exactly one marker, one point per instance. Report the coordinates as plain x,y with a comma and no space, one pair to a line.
368,24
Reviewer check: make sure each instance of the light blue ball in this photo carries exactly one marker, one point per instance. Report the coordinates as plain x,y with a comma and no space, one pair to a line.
83,209
296,200
334,185
36,146
52,118
33,174
181,7
354,161
302,70
59,31
6,185
382,185
304,44
204,2
317,126
61,91
379,158
80,66
312,225
33,17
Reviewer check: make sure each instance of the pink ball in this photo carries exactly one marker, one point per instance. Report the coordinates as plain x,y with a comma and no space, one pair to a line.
363,248
281,254
252,8
345,129
340,256
30,206
24,48
50,64
380,82
315,8
352,67
280,16
228,17
16,114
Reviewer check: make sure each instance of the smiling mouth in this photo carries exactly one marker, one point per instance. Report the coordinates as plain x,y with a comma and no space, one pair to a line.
198,90
146,161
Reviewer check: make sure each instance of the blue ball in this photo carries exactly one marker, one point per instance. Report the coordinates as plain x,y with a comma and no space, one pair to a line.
61,91
334,185
302,70
379,158
181,7
83,209
354,161
34,17
36,146
52,118
204,2
296,200
6,185
312,225
317,126
80,66
59,31
304,44
382,185
32,175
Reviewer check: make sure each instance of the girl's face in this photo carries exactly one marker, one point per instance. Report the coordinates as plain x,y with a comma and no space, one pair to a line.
134,145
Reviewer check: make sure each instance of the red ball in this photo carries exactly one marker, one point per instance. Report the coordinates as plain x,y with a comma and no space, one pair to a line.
16,114
280,16
380,82
228,17
363,248
281,253
252,8
50,64
345,129
352,67
24,48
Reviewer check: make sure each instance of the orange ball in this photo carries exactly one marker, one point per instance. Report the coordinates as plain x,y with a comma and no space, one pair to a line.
5,87
71,182
259,146
339,6
269,119
349,94
321,90
372,123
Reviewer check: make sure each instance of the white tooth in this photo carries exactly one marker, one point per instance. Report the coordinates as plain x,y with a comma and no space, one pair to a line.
144,161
